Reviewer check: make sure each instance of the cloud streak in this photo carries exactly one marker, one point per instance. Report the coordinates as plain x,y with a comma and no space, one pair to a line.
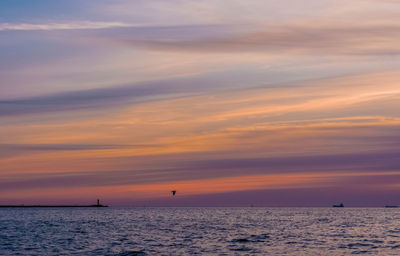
63,26
132,98
379,39
8,150
355,164
99,97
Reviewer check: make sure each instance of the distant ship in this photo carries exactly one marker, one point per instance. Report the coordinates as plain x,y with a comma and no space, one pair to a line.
338,205
391,206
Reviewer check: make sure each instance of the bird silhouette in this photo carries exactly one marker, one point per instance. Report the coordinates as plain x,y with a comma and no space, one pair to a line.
173,192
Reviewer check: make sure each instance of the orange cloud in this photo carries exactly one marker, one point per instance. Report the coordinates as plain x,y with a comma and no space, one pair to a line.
192,187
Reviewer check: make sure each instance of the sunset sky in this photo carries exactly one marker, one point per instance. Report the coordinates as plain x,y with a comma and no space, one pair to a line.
231,103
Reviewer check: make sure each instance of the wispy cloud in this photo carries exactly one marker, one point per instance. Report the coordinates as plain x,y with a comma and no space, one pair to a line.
130,94
7,150
129,98
64,26
325,39
99,97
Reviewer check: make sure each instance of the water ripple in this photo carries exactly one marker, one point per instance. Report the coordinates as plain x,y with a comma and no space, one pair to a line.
199,231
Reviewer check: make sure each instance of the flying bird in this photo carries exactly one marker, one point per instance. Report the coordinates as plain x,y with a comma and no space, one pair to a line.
173,192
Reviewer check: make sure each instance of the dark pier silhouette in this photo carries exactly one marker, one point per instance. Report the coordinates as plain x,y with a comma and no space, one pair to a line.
54,206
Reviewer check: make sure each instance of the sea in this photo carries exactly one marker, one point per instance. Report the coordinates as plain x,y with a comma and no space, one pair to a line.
199,231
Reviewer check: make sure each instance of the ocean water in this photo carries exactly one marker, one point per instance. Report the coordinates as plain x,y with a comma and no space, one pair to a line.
199,231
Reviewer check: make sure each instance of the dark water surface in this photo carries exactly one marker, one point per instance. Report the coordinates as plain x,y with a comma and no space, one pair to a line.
201,231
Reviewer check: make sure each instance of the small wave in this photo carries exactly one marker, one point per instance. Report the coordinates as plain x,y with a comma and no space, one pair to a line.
240,240
360,252
374,241
351,245
133,253
241,249
251,239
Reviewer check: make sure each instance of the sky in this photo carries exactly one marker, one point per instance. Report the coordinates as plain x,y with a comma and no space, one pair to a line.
231,103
